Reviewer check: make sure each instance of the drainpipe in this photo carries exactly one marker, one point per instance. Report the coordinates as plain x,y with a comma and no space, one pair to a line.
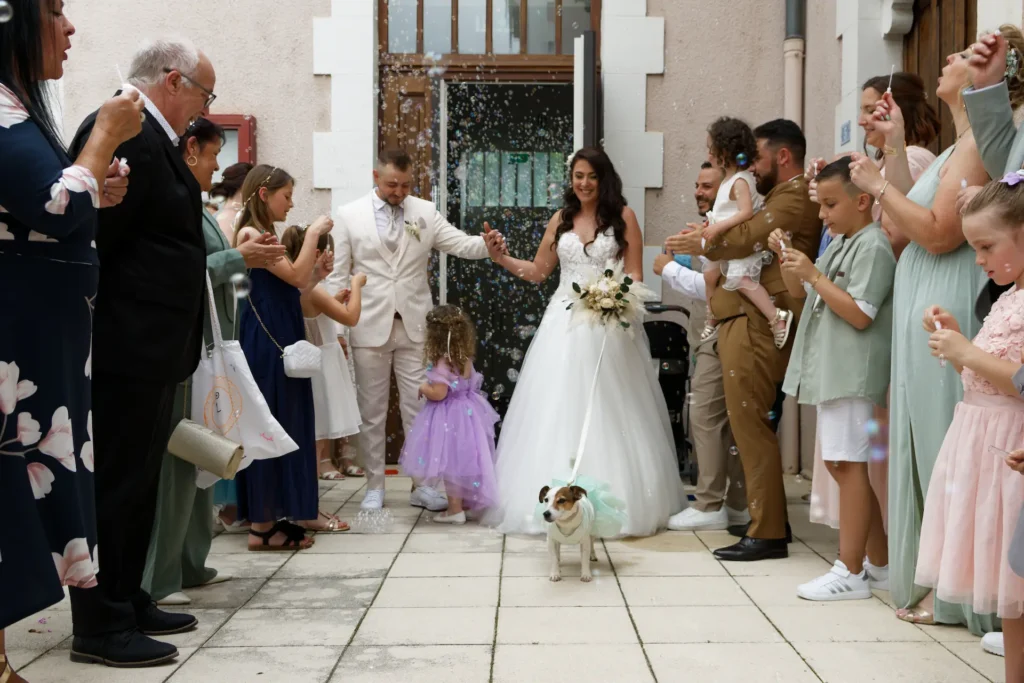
793,104
793,55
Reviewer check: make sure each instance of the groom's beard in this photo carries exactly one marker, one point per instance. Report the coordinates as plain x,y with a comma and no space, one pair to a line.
766,183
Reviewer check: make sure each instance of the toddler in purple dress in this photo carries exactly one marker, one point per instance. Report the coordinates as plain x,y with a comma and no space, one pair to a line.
453,436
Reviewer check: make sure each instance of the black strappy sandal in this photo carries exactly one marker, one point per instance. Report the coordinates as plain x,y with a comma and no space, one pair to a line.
295,537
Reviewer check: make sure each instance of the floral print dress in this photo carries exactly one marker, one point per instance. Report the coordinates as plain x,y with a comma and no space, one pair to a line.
49,270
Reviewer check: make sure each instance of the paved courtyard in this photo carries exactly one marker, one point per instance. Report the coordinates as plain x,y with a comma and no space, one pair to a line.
435,603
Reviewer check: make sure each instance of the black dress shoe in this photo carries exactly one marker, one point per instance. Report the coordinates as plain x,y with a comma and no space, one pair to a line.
754,549
153,621
740,531
121,649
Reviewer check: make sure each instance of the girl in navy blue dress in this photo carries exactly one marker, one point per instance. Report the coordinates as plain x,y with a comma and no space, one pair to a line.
279,496
49,270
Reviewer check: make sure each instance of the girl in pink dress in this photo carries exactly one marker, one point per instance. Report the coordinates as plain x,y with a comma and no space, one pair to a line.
974,499
453,436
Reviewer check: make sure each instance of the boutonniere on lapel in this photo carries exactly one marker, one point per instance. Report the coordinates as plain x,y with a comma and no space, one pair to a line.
414,228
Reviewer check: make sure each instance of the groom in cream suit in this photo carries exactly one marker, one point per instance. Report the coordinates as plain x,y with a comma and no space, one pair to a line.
389,235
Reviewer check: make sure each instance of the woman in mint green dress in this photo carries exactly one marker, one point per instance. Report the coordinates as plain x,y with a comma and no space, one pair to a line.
937,268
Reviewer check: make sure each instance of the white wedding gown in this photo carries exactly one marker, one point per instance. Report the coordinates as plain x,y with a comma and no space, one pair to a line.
629,447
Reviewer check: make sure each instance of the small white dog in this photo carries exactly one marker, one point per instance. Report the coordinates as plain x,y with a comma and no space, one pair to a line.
570,517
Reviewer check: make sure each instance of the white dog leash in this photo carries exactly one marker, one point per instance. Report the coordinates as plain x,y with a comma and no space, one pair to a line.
589,413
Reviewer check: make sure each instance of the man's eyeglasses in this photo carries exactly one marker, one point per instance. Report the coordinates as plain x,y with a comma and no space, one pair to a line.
210,97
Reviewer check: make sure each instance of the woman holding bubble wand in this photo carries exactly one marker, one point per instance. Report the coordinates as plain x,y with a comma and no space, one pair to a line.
936,268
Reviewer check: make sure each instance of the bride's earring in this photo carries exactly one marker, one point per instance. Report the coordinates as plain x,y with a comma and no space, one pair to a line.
192,160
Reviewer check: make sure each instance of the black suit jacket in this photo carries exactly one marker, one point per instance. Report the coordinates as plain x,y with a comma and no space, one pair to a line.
147,323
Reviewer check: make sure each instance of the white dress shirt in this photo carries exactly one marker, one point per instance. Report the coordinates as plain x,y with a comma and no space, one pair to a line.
685,281
152,110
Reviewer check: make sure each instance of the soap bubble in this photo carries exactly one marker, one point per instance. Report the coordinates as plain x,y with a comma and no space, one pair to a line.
6,12
373,522
436,71
741,159
733,450
516,354
758,246
872,428
769,218
513,375
241,282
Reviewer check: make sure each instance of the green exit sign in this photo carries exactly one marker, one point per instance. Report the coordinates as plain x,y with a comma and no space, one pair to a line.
519,157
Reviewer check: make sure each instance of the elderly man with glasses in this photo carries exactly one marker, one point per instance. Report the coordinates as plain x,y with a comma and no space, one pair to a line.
147,335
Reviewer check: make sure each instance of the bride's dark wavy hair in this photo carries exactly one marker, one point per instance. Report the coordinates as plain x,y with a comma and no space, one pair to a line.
610,201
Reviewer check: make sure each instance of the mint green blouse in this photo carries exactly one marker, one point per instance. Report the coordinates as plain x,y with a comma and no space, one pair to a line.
831,359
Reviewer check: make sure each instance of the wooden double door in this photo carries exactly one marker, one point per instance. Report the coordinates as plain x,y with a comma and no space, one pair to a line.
941,28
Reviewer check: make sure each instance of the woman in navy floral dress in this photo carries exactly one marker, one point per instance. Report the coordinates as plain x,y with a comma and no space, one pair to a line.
48,275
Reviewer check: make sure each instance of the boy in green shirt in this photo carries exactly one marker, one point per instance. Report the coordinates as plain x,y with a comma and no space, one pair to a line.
840,364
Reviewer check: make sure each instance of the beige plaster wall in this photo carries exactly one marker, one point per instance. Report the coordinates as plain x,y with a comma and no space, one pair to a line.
822,82
263,53
721,58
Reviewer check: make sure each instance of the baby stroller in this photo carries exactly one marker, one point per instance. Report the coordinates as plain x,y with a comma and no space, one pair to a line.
671,349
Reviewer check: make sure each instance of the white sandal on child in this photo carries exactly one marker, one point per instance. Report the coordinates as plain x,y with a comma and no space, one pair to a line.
444,518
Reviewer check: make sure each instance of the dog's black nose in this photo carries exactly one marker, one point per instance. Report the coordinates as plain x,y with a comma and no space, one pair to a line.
547,516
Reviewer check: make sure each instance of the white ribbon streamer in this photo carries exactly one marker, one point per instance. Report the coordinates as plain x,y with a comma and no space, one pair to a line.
589,412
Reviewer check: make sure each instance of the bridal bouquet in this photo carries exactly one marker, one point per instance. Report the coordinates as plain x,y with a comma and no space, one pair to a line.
610,298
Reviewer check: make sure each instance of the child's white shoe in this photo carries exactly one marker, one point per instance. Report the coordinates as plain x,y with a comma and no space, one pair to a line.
444,518
878,577
838,584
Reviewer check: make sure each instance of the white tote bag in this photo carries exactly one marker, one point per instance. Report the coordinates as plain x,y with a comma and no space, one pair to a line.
226,398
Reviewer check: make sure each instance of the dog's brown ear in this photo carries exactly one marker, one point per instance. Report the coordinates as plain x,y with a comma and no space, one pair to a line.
543,492
577,492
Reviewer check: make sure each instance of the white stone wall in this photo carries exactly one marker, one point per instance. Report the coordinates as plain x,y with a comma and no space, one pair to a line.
632,47
866,52
345,48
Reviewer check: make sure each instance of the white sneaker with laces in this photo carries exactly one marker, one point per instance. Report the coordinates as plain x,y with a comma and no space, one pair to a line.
838,584
992,643
429,498
373,500
692,519
878,577
737,517
442,518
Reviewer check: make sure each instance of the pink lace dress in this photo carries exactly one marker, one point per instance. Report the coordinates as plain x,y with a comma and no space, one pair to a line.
974,499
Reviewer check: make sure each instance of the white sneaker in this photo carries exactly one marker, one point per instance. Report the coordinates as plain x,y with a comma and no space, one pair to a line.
737,517
838,584
692,519
878,577
992,643
442,518
429,498
373,500
178,598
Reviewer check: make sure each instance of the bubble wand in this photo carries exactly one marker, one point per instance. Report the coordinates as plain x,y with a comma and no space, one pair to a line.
126,86
942,359
891,72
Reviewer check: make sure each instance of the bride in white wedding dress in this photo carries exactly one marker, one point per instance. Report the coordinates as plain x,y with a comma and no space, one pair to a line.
629,446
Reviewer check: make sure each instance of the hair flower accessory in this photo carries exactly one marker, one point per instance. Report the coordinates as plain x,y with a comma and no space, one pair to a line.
1012,63
1013,178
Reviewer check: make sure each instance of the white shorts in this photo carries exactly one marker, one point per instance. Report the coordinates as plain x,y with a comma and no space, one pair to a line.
844,429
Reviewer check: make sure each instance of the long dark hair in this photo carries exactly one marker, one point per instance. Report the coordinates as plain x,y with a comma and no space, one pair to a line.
920,119
21,63
610,201
231,180
204,131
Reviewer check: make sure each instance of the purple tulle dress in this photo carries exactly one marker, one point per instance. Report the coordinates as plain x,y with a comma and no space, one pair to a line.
453,439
